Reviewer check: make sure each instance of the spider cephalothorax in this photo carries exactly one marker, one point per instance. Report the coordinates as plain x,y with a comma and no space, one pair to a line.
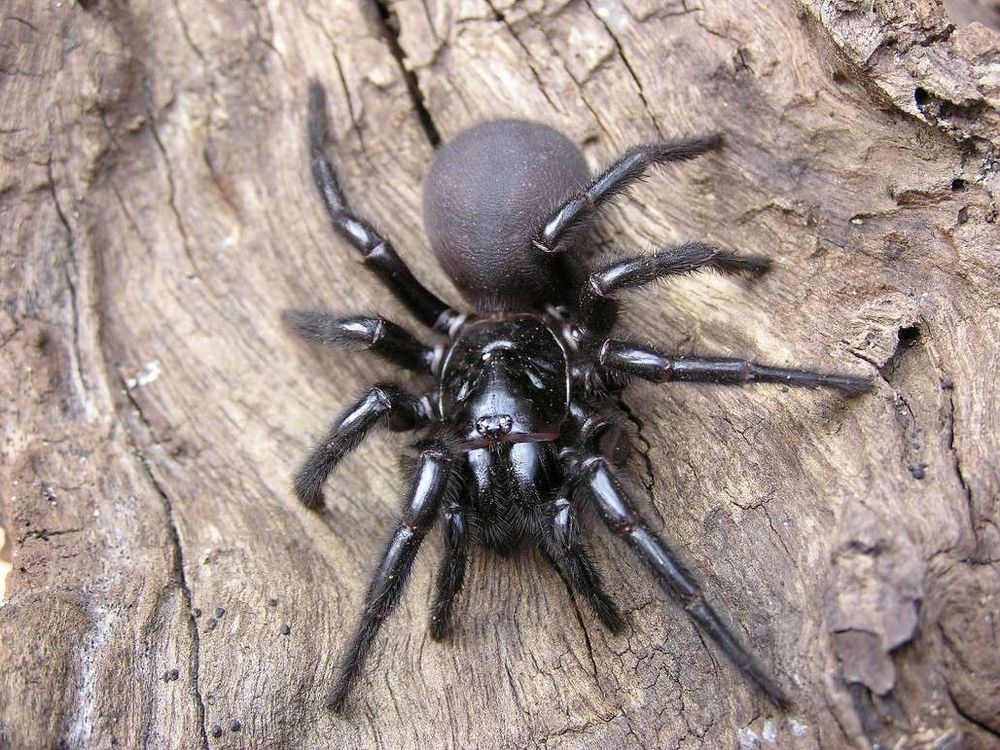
522,419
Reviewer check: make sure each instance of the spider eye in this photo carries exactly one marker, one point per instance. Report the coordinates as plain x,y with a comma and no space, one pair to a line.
533,377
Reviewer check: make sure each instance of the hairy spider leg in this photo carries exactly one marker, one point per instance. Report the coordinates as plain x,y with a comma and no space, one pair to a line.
376,251
451,574
596,479
596,305
565,550
625,357
385,404
359,332
432,484
612,182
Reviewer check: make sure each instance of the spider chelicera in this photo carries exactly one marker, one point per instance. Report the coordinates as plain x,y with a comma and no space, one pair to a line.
523,417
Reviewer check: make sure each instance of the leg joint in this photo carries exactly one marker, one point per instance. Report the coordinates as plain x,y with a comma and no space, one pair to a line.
623,528
381,394
693,600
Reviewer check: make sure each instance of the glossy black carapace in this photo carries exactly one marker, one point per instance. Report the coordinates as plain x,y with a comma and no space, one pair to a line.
521,413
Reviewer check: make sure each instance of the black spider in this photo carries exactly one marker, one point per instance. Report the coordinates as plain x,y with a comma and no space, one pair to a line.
524,414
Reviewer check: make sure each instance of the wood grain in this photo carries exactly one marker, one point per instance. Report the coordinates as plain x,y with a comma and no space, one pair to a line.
156,215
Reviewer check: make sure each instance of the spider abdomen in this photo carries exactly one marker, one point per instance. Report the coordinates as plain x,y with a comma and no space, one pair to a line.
488,192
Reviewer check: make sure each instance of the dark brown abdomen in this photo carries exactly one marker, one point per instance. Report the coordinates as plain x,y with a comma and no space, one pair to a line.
486,195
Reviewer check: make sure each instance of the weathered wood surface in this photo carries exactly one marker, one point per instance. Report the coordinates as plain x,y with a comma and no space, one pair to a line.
156,215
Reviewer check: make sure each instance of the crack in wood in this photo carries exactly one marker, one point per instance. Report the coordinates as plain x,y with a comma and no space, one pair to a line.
583,628
172,193
529,59
628,67
351,112
180,576
949,390
69,263
390,28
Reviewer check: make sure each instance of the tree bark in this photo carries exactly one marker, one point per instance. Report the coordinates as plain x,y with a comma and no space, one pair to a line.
157,214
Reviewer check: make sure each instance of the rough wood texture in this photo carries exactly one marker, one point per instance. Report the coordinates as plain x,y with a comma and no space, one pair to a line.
156,215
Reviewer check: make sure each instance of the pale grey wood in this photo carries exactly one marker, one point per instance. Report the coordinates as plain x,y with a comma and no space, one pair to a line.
156,214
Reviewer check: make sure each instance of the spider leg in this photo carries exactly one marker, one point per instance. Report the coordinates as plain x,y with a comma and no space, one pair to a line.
596,304
384,404
430,486
356,332
376,251
625,357
562,545
613,181
597,480
451,574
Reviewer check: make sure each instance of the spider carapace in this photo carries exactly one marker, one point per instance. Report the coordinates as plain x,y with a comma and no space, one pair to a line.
524,415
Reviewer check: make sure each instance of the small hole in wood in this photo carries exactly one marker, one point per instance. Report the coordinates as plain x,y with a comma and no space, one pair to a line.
908,336
958,184
921,96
